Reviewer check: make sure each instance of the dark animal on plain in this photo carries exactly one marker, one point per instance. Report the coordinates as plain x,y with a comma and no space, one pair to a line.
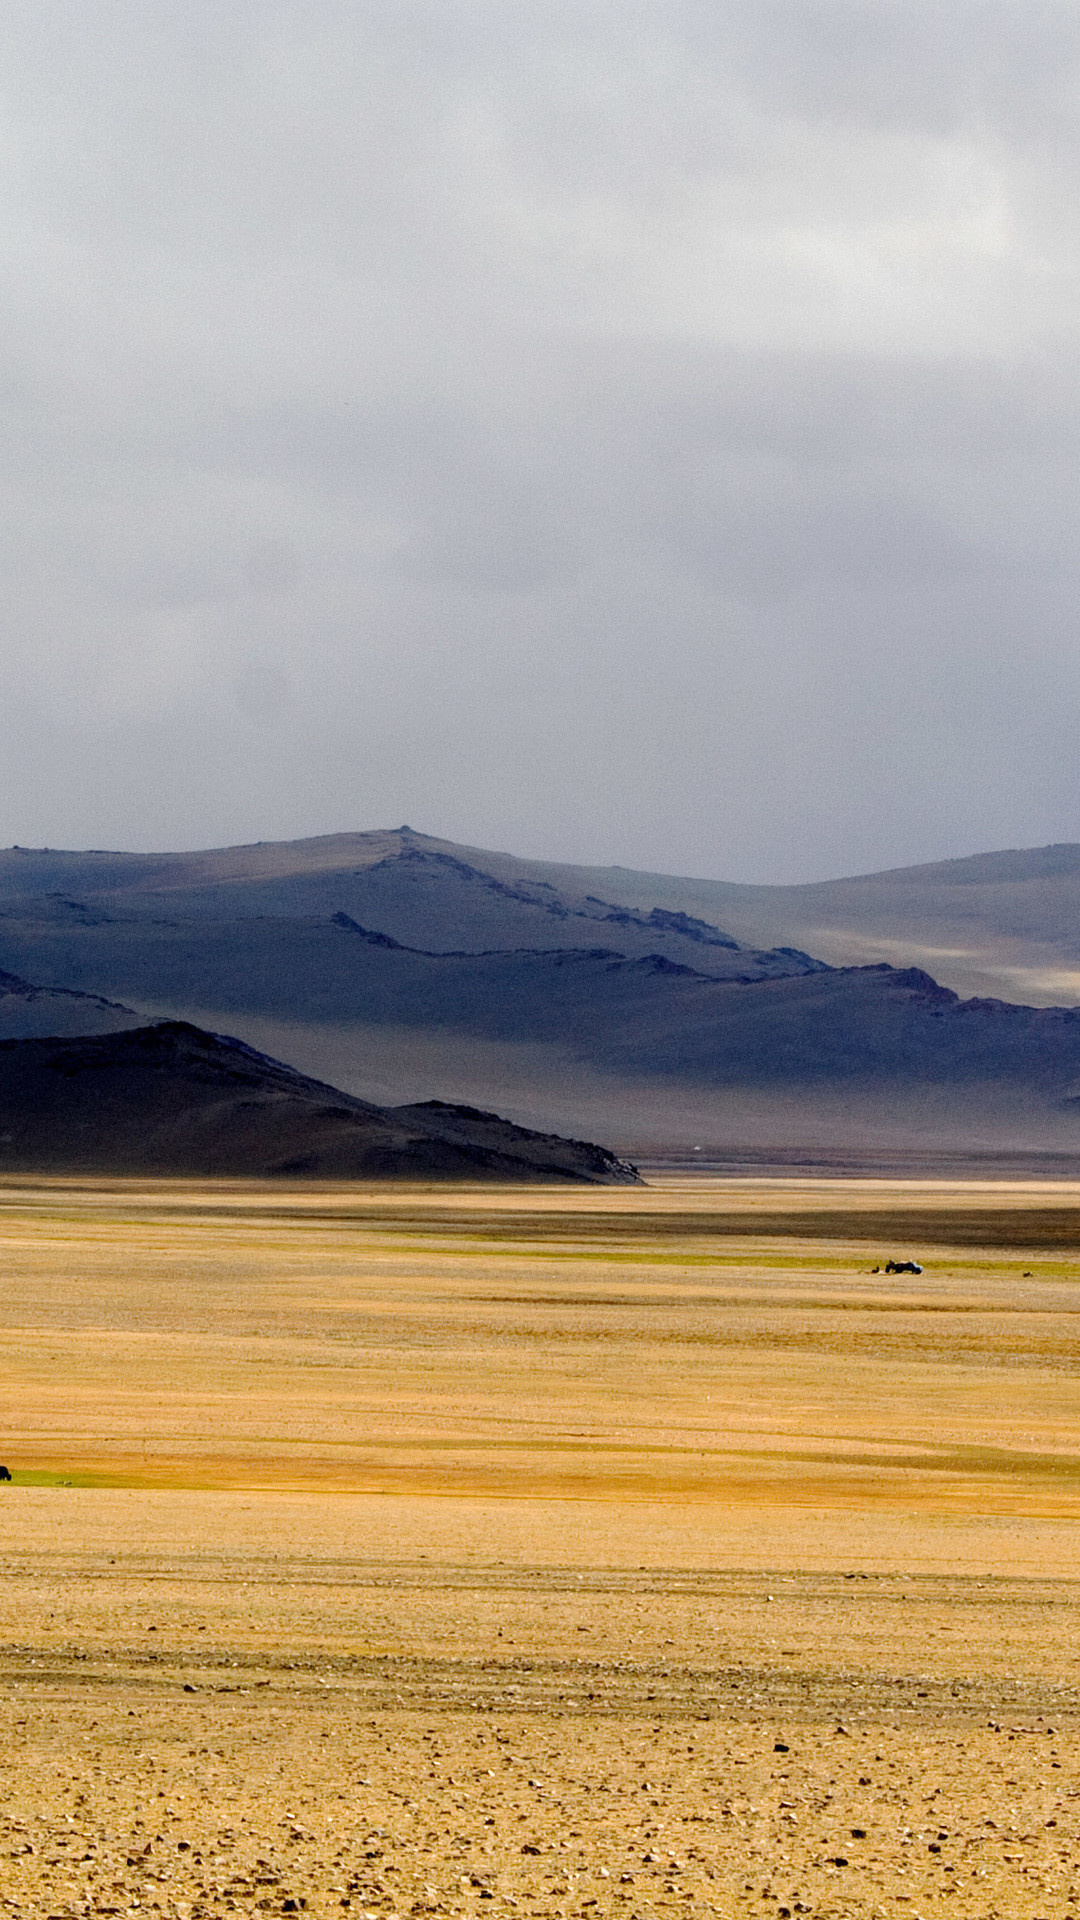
4,1474
902,1266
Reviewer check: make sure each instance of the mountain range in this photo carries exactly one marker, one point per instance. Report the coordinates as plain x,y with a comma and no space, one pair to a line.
643,1009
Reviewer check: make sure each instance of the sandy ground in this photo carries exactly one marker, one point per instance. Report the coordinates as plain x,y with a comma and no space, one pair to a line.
559,1554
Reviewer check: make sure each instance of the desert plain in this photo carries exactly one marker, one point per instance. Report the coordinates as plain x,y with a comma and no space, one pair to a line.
554,1552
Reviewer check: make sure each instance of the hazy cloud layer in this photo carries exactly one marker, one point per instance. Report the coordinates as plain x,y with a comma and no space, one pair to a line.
630,431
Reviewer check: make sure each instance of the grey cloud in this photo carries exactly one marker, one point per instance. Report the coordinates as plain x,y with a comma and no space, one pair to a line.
912,65
635,432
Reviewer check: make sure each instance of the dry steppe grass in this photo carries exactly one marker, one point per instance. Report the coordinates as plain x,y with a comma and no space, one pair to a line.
554,1553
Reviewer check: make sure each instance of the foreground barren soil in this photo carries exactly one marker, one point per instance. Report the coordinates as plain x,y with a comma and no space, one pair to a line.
563,1554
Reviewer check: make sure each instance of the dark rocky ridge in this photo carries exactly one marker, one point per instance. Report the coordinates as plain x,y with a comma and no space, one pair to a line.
28,1012
171,1100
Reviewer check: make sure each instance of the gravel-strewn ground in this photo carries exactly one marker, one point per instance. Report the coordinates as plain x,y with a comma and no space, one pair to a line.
579,1745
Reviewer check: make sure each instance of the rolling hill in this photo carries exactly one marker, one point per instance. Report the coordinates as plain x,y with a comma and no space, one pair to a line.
169,1100
1005,924
419,895
1001,924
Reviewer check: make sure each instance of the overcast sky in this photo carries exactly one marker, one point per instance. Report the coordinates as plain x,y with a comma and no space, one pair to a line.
592,428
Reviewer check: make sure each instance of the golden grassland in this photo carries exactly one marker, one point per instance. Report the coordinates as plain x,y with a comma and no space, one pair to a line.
566,1552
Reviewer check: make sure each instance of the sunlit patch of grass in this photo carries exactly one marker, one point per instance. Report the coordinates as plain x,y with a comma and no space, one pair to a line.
78,1477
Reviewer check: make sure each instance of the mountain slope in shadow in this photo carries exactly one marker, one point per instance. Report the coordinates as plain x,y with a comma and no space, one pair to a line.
644,1017
171,1100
